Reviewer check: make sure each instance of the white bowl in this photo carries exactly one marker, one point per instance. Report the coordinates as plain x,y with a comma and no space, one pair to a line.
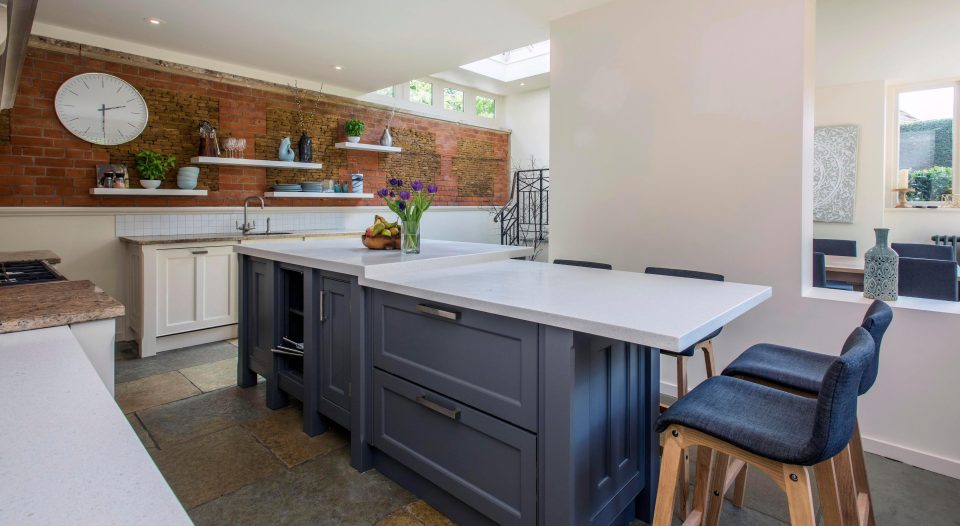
150,184
186,183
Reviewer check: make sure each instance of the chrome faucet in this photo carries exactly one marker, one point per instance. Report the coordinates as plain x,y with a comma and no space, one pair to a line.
248,226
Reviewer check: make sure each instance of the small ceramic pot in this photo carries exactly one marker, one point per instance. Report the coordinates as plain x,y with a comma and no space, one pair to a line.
150,184
188,171
186,183
353,139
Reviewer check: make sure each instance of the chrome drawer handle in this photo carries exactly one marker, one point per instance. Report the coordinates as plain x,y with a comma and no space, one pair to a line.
199,252
440,313
453,414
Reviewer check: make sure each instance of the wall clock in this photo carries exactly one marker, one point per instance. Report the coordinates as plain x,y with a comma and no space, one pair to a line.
101,108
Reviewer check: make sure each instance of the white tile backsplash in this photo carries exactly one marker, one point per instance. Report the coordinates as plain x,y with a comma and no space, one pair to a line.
217,223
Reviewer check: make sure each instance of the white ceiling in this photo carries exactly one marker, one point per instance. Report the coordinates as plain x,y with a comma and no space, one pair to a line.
896,40
377,42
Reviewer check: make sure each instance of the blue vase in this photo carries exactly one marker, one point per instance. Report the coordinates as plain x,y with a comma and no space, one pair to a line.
880,270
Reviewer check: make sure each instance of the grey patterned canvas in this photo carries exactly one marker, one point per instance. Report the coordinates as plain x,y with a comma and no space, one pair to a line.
835,173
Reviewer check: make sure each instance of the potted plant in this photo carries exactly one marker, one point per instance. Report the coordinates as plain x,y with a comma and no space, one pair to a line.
354,129
153,167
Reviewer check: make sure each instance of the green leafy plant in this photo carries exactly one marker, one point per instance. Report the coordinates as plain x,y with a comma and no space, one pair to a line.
153,166
931,183
354,127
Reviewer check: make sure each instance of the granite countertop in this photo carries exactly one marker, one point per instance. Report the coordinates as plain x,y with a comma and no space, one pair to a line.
29,255
40,305
69,454
658,311
214,237
349,256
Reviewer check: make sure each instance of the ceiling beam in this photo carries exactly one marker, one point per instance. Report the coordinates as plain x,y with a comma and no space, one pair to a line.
20,15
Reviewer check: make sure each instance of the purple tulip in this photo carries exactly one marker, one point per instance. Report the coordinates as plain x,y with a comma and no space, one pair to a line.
417,186
399,183
394,182
392,194
402,205
383,192
432,189
404,195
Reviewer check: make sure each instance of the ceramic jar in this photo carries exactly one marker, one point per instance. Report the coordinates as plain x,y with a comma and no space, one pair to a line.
880,271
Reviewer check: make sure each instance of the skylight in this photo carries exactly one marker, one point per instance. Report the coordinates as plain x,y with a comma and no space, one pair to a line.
515,64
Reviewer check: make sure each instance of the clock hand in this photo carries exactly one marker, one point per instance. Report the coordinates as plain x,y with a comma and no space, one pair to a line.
113,108
103,113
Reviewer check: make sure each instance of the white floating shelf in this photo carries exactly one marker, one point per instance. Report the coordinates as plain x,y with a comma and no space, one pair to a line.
368,147
320,195
144,192
255,163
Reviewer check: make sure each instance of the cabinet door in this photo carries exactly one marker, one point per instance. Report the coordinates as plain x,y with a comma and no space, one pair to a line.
335,342
196,289
258,302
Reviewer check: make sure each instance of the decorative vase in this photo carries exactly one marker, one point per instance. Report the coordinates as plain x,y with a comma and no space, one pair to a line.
305,148
386,139
356,182
353,138
286,151
410,237
150,184
880,271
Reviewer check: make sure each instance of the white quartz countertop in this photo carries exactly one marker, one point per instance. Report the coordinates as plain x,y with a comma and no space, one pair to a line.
67,453
349,256
663,312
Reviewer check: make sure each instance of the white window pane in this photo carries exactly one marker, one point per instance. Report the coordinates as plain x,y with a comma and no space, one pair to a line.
452,99
926,141
422,92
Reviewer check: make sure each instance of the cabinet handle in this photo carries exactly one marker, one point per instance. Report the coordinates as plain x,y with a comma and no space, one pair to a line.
289,352
453,414
200,252
440,313
323,315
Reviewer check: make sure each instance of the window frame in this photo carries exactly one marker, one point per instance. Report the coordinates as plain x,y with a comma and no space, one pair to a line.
893,125
401,100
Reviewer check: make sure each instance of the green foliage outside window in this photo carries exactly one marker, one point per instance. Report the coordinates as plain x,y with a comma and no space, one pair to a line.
421,92
931,183
452,99
486,107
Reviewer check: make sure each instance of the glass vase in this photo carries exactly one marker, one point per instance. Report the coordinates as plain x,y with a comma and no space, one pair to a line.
410,237
880,269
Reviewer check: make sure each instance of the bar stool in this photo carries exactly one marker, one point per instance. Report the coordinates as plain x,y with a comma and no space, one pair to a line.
803,372
780,433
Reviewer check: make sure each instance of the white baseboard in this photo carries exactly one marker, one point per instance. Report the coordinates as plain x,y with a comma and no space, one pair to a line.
921,459
187,339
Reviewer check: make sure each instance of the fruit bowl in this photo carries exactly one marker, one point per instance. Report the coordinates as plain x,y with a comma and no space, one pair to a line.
381,242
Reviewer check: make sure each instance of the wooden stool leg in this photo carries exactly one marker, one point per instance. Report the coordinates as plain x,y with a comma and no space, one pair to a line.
846,487
829,493
860,473
718,478
740,487
708,358
796,480
683,482
667,487
701,488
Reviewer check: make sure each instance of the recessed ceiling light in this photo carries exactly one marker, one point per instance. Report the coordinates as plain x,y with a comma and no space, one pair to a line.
153,21
338,68
523,83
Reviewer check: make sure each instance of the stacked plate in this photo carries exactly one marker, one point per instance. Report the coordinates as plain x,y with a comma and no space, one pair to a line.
312,186
287,187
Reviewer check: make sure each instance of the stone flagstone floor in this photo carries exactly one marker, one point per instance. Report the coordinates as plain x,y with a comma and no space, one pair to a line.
230,460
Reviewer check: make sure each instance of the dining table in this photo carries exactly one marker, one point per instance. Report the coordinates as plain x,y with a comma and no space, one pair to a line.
849,269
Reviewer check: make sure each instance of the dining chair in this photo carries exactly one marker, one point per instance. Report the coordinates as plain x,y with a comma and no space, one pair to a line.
934,279
820,274
835,247
732,422
924,251
802,372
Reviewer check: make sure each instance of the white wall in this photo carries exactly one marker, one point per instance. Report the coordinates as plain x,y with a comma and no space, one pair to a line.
860,104
528,117
710,105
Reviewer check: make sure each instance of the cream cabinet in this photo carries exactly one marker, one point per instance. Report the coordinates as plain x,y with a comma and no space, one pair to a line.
196,288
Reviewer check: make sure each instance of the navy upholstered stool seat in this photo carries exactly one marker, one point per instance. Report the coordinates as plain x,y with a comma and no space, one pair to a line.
803,372
734,422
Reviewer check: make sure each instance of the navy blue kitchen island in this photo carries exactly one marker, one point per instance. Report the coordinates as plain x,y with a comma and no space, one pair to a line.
499,391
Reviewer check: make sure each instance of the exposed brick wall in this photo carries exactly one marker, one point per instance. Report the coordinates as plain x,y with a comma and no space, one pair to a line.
42,164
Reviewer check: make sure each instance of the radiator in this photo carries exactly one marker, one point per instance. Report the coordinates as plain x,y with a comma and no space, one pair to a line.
947,240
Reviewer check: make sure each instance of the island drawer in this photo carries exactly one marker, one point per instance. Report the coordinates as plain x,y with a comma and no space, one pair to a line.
480,359
488,464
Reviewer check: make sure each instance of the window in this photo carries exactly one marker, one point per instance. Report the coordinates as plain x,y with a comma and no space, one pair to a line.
421,92
926,120
452,99
486,107
388,91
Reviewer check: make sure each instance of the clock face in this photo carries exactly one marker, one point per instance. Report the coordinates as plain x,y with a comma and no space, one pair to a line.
101,108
